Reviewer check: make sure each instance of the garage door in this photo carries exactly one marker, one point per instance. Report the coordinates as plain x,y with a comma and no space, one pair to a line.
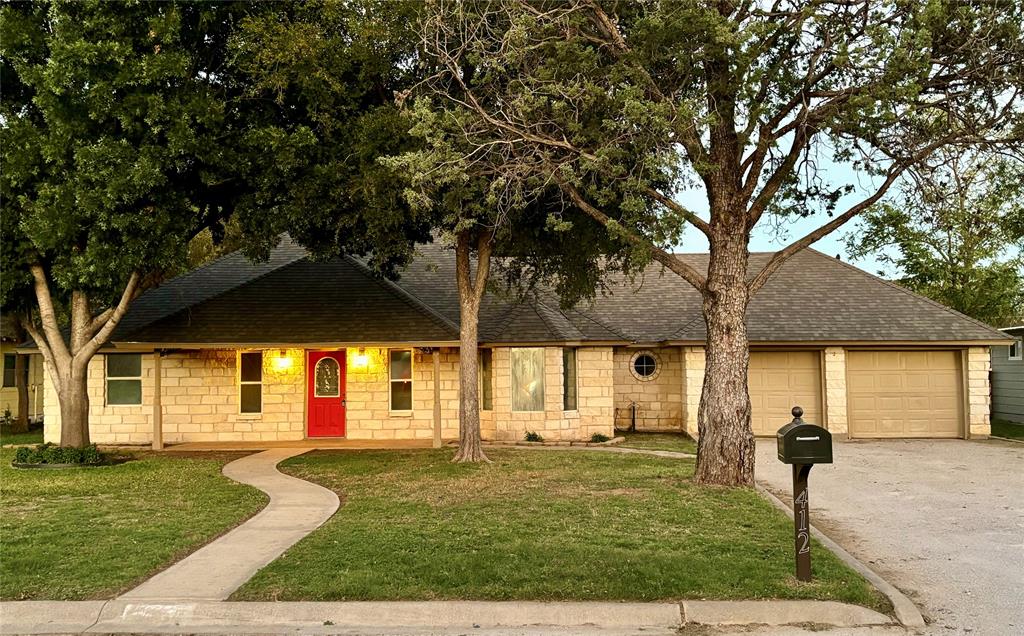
904,393
780,380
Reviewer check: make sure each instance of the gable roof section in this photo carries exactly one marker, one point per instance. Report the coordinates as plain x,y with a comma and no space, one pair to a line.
292,299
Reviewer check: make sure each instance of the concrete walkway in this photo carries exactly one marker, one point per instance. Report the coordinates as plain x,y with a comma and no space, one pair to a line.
213,572
415,617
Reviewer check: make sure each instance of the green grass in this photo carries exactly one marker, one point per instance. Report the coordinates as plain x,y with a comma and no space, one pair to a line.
93,532
1010,430
31,437
660,441
545,526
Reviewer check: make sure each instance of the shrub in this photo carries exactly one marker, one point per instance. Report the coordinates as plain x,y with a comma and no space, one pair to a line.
532,436
53,454
7,420
597,438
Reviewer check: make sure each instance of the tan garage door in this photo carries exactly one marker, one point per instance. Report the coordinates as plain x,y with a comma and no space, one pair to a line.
904,393
780,380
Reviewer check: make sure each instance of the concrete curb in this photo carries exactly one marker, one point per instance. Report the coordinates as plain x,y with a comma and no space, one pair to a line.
904,609
1006,439
211,617
597,449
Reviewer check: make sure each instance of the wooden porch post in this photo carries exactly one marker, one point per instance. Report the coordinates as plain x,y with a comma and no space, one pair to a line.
437,397
158,411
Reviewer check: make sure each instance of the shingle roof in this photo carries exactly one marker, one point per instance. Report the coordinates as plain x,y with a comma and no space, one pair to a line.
292,299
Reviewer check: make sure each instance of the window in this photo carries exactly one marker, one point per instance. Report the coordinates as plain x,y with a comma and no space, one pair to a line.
527,379
124,378
327,378
401,379
9,360
569,378
250,382
1016,353
486,381
644,365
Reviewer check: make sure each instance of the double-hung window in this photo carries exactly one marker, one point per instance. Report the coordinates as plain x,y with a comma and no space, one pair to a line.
569,378
527,379
124,379
1016,350
250,382
400,370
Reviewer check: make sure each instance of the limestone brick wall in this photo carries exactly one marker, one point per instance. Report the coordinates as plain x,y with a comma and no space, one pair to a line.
979,394
835,391
694,363
660,398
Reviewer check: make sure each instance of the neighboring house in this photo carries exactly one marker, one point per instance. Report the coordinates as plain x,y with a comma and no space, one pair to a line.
8,387
1008,377
292,349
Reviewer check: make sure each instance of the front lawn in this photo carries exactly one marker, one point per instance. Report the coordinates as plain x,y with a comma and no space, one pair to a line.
94,532
678,442
31,437
1010,430
546,526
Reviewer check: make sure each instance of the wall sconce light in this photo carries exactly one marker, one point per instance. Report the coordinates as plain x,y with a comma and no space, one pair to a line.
282,362
360,360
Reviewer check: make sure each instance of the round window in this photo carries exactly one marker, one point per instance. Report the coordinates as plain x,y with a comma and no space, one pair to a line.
644,365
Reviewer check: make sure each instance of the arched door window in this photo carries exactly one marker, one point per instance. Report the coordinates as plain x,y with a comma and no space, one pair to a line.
327,379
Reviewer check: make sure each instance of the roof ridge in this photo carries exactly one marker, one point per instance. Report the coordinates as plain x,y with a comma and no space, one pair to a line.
576,333
407,296
513,311
687,326
904,290
601,324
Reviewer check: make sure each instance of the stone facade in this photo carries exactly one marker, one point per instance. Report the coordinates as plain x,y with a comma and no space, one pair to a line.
835,391
693,384
658,399
979,395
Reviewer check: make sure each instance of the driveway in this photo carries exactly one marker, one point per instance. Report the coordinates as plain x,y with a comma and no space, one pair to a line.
943,520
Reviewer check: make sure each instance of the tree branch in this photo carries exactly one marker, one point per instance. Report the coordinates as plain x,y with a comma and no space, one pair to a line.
48,316
100,337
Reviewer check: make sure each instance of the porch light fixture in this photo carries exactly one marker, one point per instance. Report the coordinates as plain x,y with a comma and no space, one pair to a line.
282,362
360,360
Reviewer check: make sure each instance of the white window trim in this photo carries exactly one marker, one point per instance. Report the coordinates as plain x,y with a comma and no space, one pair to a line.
543,379
657,365
107,378
576,378
411,381
1020,351
252,415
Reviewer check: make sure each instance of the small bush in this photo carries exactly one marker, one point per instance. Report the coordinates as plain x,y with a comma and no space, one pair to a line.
7,420
597,438
53,454
533,436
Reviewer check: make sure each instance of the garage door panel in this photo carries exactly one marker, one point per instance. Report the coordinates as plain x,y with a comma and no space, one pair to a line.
904,393
780,380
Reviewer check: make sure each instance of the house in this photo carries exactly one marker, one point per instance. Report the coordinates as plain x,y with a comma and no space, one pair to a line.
34,375
1008,377
292,349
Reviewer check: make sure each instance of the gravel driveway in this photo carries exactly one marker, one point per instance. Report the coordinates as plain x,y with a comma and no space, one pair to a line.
943,520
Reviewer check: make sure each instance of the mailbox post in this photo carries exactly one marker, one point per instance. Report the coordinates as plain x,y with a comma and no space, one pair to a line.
803,445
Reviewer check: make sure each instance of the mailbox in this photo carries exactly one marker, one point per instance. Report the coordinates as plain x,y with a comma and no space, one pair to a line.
803,443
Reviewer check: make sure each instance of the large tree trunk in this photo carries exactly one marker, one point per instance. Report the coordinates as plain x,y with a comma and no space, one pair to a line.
470,294
725,448
74,409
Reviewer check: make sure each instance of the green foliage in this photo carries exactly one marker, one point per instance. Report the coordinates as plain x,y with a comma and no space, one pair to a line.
117,121
598,438
533,436
7,419
53,454
956,235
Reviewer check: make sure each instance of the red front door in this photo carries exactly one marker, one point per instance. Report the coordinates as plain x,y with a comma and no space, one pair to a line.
326,390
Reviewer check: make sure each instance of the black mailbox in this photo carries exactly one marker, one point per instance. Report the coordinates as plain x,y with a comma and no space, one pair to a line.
803,443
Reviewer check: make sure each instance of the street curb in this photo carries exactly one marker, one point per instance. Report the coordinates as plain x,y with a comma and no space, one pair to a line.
904,609
1006,439
216,617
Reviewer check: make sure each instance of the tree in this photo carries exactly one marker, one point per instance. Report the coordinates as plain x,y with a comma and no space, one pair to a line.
955,233
750,102
114,119
337,79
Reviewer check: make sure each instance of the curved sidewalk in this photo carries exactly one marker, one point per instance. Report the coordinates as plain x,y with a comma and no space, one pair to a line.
216,570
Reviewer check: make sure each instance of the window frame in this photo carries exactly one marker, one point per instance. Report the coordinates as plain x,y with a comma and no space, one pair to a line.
575,379
240,382
411,381
486,396
120,378
1017,344
316,368
543,380
653,356
13,357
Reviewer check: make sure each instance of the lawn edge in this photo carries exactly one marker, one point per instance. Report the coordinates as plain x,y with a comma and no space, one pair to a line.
906,612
